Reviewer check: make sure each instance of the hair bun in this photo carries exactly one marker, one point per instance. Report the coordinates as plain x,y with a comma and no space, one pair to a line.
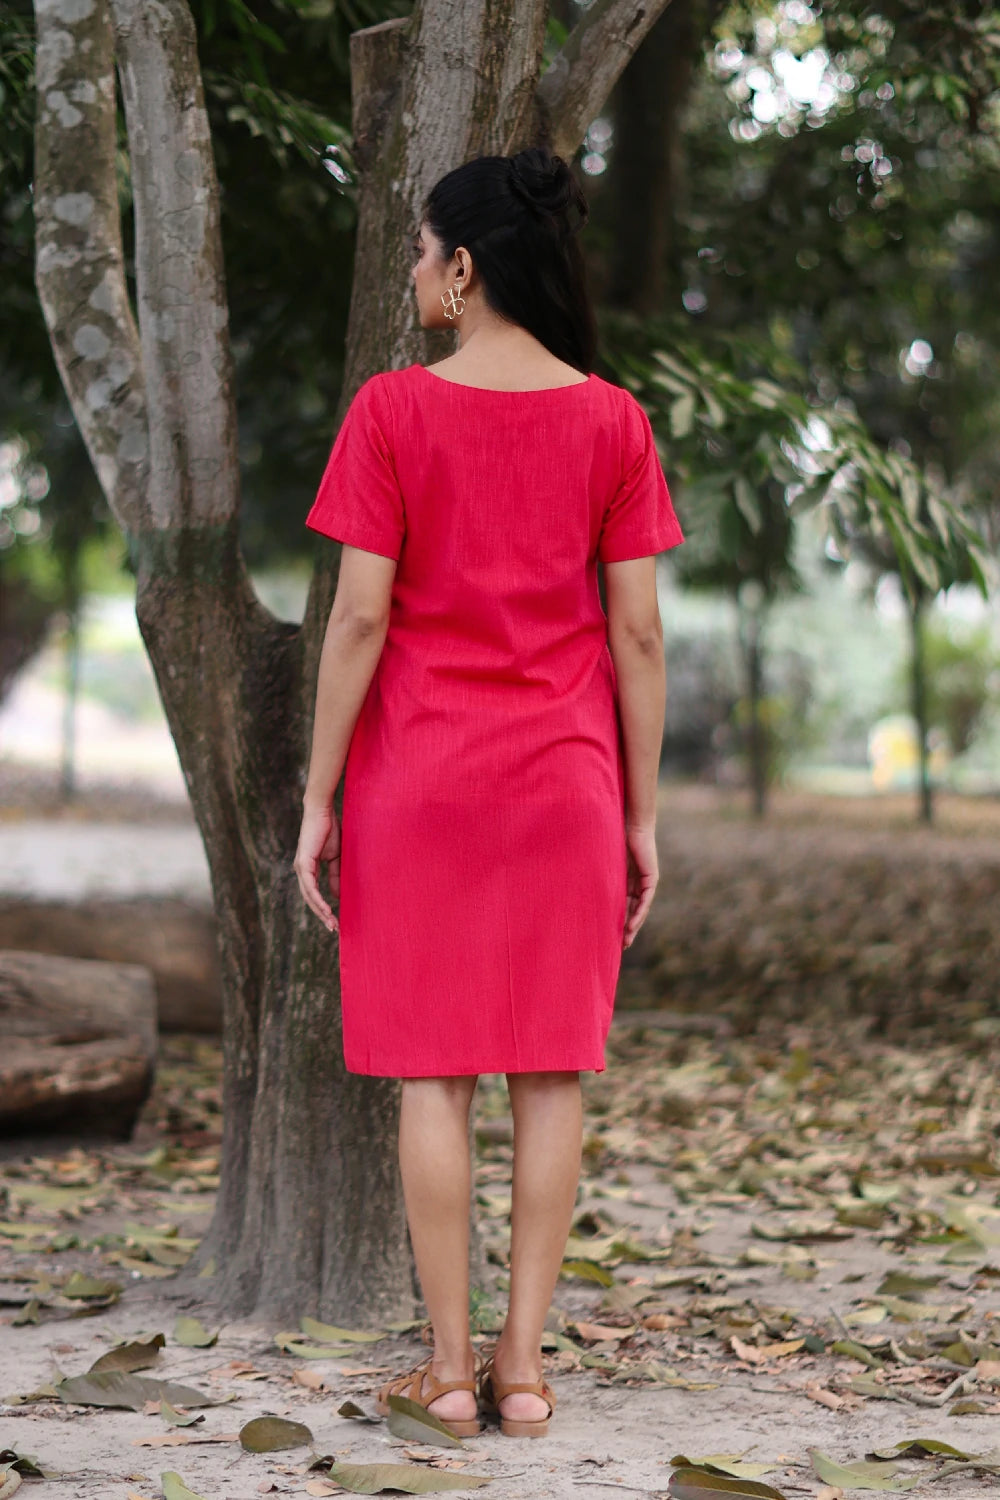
544,182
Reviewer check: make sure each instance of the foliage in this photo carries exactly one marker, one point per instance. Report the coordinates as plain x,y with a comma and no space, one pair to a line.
963,680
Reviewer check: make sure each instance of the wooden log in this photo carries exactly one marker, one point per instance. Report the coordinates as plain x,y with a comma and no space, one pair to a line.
78,1043
174,938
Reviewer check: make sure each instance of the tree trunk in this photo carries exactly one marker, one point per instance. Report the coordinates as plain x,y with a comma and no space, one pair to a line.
79,1043
757,743
646,179
918,702
310,1215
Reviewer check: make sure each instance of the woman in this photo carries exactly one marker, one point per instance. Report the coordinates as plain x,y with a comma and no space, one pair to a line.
499,737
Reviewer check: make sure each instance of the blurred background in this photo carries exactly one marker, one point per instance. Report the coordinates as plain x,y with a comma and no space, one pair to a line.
794,248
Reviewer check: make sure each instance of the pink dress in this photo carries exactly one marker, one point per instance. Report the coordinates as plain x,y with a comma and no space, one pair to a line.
483,864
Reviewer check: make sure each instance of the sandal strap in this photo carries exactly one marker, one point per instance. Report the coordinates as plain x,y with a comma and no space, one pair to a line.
499,1389
410,1385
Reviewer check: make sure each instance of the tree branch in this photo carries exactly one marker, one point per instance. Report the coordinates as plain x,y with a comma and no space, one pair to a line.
183,315
576,84
79,267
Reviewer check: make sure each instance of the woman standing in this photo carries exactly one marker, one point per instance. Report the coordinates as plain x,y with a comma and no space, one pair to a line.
499,736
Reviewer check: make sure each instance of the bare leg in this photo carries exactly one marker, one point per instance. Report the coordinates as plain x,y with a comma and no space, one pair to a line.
436,1173
548,1129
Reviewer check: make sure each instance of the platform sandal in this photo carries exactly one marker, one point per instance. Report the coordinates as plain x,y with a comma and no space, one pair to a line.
492,1391
410,1385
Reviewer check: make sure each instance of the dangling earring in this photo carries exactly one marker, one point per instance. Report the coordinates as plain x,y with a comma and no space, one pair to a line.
451,300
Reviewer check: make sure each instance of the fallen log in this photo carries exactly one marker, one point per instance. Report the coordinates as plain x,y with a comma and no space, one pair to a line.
174,938
78,1043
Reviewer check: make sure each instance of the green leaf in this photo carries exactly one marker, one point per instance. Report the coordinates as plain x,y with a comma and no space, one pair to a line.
857,1351
325,1333
174,1488
587,1270
412,1479
272,1434
682,415
747,503
408,1419
135,1356
351,1409
22,1463
120,1389
861,1475
729,1464
899,1284
696,1484
291,1343
86,1287
192,1334
920,1448
178,1419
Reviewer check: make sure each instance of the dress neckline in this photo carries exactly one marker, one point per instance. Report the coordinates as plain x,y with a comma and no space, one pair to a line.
485,390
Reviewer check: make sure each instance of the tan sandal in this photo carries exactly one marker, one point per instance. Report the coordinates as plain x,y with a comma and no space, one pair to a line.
411,1386
492,1391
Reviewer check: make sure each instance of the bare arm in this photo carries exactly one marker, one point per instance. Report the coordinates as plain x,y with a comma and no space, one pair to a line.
355,635
635,639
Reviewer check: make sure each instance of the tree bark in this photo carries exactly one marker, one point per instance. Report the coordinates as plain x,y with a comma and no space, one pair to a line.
310,1214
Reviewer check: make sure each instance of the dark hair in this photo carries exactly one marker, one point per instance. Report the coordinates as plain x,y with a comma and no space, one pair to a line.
519,217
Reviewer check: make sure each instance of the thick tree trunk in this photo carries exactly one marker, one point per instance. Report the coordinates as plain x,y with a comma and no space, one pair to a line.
310,1215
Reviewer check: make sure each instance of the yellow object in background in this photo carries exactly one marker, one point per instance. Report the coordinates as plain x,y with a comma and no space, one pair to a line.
892,754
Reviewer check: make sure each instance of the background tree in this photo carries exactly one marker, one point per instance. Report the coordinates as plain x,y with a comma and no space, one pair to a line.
310,1214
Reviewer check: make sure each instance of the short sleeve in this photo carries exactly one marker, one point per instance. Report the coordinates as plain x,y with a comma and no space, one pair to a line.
640,520
359,500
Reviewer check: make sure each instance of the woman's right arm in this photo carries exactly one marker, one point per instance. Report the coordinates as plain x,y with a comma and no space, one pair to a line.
635,639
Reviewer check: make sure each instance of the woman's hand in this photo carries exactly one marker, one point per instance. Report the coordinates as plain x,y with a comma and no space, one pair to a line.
643,876
319,840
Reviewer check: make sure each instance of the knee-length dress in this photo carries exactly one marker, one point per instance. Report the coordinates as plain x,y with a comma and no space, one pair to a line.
483,861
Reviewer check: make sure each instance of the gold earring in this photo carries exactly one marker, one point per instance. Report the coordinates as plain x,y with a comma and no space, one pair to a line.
451,300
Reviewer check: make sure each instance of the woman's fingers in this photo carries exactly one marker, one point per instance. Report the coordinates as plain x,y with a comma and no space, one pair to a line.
319,840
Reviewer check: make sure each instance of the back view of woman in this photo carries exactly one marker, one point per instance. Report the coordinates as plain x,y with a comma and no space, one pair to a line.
499,736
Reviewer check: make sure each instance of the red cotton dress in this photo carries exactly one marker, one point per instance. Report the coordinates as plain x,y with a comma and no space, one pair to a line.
483,861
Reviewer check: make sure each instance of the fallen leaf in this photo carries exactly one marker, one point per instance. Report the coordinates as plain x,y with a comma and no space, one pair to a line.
174,1488
86,1287
118,1388
129,1357
729,1464
179,1419
326,1333
310,1380
596,1333
412,1479
696,1484
408,1419
587,1270
824,1397
184,1439
273,1434
193,1335
861,1475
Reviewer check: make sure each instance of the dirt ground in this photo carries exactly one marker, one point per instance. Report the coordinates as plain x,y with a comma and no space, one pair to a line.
786,1250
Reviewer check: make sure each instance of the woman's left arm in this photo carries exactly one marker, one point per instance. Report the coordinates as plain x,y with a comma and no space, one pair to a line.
355,635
